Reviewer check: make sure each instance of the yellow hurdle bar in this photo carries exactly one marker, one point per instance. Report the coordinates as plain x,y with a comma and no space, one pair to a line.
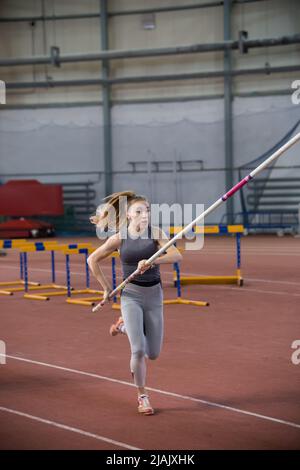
86,291
80,302
185,280
235,228
14,242
47,295
11,290
116,306
5,292
208,229
44,295
88,301
18,283
35,297
197,303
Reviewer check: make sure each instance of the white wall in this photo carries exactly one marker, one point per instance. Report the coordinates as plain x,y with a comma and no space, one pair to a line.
269,18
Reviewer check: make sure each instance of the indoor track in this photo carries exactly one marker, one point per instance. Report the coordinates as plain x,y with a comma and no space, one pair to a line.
224,380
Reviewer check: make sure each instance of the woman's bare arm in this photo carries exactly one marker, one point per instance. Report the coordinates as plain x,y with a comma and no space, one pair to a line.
172,253
105,250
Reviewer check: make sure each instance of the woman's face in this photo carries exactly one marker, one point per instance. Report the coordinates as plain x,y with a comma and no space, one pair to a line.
139,214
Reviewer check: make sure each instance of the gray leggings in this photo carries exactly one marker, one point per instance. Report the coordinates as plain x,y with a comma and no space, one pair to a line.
142,312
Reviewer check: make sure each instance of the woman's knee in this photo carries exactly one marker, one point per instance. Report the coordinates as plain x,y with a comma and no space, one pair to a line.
138,354
152,355
153,350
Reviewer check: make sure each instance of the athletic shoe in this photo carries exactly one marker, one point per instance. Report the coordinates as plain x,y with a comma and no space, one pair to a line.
115,327
144,405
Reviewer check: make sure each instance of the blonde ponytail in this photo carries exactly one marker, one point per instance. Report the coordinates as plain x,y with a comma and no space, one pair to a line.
111,204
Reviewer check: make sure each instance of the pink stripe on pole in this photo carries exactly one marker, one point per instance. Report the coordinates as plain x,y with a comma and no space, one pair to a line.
236,187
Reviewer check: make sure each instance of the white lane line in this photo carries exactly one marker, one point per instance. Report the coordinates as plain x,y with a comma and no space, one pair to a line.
69,428
162,392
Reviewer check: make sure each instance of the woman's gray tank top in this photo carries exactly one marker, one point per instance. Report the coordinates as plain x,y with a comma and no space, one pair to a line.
133,250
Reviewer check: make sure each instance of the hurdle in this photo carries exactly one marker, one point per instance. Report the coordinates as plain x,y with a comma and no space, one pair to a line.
63,290
14,244
29,247
25,247
86,301
91,300
220,230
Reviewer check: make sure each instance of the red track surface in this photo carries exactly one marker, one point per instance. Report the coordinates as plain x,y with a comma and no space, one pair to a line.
235,353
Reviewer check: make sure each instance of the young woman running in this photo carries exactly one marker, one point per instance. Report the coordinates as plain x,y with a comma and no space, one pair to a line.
142,298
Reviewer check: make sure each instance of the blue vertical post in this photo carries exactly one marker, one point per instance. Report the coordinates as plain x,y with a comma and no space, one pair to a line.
114,278
53,266
238,251
25,271
21,267
177,269
68,274
87,269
